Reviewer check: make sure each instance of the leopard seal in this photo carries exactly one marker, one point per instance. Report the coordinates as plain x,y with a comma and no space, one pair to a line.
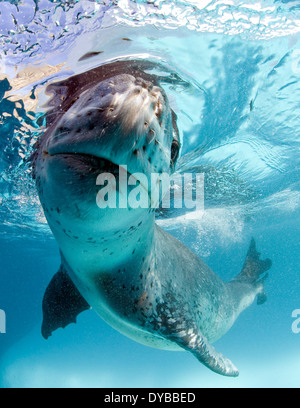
134,275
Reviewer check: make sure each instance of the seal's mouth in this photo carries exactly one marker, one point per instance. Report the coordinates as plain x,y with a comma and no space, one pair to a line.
94,163
89,165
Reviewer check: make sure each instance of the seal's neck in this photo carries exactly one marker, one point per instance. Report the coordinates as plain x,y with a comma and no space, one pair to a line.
117,249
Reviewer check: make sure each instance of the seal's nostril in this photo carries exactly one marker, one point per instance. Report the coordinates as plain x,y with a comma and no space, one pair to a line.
137,91
144,84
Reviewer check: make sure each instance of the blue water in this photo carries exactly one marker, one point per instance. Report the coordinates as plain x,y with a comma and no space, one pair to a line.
239,117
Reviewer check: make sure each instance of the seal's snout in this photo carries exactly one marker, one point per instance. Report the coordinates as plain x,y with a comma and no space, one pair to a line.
124,119
135,106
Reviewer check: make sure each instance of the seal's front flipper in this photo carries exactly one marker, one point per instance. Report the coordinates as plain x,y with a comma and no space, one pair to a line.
62,303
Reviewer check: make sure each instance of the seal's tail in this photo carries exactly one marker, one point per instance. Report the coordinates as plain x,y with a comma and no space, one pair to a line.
253,269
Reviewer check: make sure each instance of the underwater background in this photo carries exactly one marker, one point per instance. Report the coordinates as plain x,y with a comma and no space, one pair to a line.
232,71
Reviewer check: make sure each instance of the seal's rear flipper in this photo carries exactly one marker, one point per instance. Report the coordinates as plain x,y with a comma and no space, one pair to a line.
62,303
253,269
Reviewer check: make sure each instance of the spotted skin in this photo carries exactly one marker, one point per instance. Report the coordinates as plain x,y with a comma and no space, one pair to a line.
138,278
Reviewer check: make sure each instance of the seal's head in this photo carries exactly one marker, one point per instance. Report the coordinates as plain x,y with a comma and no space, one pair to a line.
120,123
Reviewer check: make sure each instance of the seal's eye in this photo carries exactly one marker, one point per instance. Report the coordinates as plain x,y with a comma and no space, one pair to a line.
174,152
